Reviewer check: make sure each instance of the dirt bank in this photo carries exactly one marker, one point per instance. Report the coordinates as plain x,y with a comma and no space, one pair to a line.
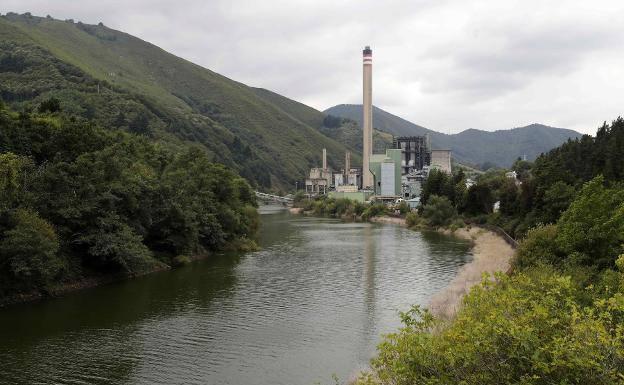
391,220
491,253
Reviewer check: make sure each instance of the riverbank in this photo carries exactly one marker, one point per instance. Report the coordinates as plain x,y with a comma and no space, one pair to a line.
242,245
491,253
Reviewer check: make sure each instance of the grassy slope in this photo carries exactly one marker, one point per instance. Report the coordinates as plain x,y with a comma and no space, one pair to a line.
471,146
287,145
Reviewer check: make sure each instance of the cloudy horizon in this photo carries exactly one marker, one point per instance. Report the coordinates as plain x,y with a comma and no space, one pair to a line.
445,65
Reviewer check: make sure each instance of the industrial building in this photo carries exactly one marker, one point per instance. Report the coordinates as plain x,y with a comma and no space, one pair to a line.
415,152
441,159
386,171
320,179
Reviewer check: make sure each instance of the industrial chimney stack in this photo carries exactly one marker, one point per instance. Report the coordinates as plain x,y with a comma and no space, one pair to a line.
367,121
347,168
324,159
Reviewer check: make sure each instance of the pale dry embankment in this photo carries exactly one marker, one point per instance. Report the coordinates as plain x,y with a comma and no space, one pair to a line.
491,253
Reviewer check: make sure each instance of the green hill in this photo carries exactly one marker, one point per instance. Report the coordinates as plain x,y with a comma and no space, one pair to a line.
118,80
499,148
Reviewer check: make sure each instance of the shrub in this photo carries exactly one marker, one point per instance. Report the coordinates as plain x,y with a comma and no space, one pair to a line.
412,219
374,210
50,105
525,329
403,208
538,247
180,260
439,211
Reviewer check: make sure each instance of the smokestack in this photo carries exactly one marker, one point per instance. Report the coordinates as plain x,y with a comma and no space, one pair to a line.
347,166
324,159
367,121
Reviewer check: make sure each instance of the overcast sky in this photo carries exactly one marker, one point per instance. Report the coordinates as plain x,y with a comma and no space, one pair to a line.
446,65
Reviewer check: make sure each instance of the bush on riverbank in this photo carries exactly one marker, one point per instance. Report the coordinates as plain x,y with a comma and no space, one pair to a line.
439,211
530,328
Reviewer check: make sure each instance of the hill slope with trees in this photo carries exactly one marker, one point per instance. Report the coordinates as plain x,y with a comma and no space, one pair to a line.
120,81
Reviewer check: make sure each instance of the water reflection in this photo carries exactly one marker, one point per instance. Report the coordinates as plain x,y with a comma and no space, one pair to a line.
312,302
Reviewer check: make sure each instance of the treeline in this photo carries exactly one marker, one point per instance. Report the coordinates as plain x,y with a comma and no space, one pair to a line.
542,190
344,208
77,200
559,317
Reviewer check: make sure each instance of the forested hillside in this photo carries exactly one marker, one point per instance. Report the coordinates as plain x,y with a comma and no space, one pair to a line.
119,81
80,201
558,318
480,148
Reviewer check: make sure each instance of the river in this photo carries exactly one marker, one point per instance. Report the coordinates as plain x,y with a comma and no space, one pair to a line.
312,303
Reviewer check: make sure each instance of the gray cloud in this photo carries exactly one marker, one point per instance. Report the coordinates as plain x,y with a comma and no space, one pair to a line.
447,65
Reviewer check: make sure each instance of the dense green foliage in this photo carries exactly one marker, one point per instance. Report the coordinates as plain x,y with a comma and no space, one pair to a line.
119,81
558,319
530,328
483,148
439,211
336,208
542,190
79,200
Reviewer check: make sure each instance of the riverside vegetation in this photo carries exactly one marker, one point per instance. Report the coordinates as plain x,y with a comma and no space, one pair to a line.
78,201
558,318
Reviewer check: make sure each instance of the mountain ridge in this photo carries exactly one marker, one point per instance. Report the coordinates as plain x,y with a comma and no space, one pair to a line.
473,146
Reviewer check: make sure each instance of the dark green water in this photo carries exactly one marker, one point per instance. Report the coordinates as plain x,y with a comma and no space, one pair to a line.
312,303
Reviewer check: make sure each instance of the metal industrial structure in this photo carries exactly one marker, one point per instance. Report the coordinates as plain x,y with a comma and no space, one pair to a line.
415,152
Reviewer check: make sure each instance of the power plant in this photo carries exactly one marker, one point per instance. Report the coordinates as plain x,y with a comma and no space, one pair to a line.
398,173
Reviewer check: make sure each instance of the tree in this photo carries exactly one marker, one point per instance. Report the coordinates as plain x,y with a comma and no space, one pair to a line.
437,183
556,200
113,243
13,172
439,211
593,225
479,199
140,124
509,198
51,105
28,250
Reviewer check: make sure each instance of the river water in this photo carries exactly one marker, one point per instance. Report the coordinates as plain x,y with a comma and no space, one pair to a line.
312,303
